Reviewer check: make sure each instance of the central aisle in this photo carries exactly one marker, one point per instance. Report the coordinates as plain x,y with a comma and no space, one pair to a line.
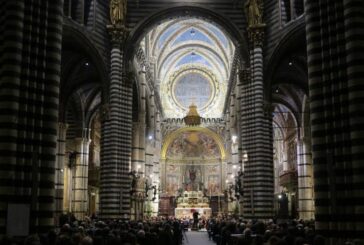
197,238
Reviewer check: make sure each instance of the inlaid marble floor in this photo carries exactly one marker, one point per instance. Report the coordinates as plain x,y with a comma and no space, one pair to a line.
197,238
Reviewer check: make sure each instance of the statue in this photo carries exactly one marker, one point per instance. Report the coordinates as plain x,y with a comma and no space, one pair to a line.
253,12
117,12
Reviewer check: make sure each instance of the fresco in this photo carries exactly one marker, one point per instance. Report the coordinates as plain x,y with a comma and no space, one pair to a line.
192,144
172,179
213,186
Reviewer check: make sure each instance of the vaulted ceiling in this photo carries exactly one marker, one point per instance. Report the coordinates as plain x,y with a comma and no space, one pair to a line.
192,60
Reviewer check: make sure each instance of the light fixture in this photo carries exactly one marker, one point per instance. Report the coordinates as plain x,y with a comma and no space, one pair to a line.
233,138
290,63
87,64
139,166
279,196
227,181
61,170
151,176
150,137
234,166
277,90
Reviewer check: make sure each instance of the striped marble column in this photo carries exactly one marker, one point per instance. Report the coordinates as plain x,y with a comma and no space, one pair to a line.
59,177
335,54
306,209
30,44
257,142
80,176
116,137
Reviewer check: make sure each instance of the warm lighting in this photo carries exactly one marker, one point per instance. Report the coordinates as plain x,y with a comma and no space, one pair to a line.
93,194
139,166
227,181
192,118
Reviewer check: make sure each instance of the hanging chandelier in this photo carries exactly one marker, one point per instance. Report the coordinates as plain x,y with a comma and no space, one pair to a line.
192,118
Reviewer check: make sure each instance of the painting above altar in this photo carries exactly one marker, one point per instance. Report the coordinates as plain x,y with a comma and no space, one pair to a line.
193,144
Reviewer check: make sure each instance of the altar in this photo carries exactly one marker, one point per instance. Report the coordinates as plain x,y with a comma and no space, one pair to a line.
190,202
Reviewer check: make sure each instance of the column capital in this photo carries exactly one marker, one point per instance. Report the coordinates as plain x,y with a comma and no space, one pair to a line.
118,34
256,35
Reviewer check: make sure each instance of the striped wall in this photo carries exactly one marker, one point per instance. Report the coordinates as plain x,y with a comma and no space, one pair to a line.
30,44
336,64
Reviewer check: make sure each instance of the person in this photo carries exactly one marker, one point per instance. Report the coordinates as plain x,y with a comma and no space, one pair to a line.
195,220
117,11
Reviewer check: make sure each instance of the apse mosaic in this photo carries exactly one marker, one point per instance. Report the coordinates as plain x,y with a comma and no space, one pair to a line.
192,144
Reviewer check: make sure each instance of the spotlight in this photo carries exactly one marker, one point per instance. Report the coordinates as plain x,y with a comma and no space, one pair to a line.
290,63
87,64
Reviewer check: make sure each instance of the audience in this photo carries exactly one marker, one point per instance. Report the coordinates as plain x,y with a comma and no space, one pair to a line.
170,231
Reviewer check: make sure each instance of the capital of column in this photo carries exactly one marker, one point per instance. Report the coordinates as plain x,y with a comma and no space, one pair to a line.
118,34
256,35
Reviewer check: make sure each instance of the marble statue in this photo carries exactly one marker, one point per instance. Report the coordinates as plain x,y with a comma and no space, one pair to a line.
253,13
117,11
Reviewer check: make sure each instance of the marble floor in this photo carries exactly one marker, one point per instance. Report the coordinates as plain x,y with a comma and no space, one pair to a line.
197,238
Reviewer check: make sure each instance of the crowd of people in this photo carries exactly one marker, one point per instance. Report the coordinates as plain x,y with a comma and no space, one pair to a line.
171,231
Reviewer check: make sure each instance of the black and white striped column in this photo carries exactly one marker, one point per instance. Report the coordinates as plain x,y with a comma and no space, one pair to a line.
305,180
116,137
256,130
335,54
80,176
59,177
30,61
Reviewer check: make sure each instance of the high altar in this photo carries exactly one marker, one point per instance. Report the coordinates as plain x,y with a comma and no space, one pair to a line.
190,202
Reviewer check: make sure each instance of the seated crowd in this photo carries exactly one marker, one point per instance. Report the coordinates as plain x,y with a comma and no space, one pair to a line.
170,231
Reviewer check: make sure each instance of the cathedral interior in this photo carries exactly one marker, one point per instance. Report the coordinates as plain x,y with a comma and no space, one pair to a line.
140,108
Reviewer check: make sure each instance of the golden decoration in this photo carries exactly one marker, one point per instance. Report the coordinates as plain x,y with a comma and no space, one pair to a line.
254,12
118,12
192,118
